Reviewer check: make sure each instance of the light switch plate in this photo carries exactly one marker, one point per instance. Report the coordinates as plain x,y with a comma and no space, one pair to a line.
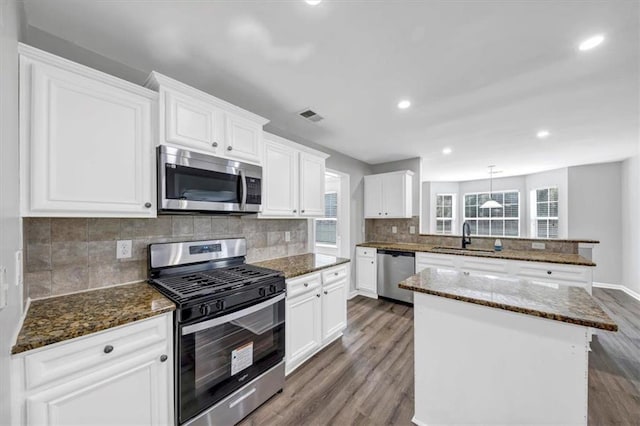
412,229
538,246
394,229
123,249
287,236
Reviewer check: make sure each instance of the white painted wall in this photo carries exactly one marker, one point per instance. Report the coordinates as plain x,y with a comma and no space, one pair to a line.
413,164
630,190
595,203
11,25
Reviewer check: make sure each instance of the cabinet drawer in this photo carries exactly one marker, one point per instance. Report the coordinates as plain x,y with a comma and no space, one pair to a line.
334,274
435,260
366,252
554,273
484,265
84,354
301,285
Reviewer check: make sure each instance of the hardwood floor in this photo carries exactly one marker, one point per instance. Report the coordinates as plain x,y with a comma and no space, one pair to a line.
366,378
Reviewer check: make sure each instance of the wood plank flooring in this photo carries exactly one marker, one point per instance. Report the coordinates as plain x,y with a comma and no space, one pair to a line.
366,378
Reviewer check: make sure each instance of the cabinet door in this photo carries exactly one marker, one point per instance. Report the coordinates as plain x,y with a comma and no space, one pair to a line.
311,185
244,139
193,123
334,309
393,196
136,392
280,187
303,328
88,150
366,274
373,197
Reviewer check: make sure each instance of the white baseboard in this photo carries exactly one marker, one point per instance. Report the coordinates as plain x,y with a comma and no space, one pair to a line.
620,287
417,422
362,293
353,294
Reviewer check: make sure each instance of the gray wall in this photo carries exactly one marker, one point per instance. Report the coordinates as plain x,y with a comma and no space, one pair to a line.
630,227
595,200
10,235
413,164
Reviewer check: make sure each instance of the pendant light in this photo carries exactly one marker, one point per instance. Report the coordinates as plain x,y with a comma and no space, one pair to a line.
491,203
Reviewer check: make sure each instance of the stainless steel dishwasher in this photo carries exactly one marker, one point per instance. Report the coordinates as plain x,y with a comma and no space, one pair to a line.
393,267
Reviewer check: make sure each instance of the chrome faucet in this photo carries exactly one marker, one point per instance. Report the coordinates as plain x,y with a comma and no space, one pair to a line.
466,235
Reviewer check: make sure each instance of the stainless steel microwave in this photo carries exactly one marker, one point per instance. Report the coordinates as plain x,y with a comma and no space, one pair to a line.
193,182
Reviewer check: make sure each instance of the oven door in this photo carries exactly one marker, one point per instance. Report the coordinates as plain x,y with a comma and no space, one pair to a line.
219,355
197,182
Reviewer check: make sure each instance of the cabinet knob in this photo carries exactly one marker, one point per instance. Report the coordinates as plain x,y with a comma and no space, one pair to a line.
317,295
108,349
229,148
295,210
306,284
215,144
379,214
147,205
386,214
549,272
163,358
301,211
335,273
325,292
372,262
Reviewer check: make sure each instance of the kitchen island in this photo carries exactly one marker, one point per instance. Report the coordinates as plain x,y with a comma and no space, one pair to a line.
498,350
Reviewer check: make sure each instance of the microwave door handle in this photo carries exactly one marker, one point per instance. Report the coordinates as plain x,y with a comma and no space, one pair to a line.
193,328
243,196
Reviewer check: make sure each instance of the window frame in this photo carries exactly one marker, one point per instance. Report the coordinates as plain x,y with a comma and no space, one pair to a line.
334,219
491,219
452,219
534,212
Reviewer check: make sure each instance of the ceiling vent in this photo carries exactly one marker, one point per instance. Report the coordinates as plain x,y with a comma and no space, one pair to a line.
311,115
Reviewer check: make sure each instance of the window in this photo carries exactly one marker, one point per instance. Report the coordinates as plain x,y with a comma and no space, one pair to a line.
445,208
326,228
500,222
545,216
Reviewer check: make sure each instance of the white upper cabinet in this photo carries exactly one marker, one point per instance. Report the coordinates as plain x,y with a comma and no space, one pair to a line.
201,122
388,195
293,184
85,141
312,172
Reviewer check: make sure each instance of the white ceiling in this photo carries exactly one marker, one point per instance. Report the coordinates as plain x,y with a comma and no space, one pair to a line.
483,76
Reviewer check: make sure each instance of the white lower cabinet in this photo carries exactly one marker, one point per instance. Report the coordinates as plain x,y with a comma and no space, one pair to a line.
366,271
316,313
119,376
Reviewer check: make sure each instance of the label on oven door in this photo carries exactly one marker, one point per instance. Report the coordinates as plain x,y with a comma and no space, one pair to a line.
241,358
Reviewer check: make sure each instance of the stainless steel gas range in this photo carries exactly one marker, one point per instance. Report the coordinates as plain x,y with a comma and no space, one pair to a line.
229,328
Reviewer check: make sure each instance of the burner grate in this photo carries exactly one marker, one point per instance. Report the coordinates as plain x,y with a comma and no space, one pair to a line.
212,282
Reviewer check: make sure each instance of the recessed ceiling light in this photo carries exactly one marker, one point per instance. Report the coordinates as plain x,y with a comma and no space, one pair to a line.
404,104
313,2
543,134
447,151
591,42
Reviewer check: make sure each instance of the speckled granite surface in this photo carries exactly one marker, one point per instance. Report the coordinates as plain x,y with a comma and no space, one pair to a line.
555,302
529,256
61,318
293,266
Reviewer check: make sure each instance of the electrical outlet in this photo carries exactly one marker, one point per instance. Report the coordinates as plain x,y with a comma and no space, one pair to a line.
394,229
123,249
538,246
412,229
287,236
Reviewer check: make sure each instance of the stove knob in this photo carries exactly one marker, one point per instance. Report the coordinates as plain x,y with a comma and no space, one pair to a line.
262,291
204,309
219,305
272,288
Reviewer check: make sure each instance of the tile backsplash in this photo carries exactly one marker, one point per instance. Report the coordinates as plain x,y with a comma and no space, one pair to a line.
380,230
69,255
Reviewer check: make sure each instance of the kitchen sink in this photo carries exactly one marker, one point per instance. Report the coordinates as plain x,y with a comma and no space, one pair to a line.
463,250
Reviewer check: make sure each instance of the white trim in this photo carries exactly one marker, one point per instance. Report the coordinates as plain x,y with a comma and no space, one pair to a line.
353,294
620,287
417,422
291,144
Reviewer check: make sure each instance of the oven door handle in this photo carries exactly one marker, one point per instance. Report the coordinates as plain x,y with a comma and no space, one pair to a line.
194,328
243,197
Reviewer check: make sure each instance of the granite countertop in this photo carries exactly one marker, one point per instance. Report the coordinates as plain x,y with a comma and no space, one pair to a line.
61,318
293,266
526,255
552,301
